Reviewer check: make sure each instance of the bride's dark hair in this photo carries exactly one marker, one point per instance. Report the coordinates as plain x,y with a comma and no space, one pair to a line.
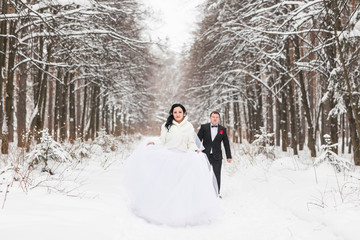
170,119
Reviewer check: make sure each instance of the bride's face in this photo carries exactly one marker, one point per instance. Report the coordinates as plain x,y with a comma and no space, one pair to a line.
178,114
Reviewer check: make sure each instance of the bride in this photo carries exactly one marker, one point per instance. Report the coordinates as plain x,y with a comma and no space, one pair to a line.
170,180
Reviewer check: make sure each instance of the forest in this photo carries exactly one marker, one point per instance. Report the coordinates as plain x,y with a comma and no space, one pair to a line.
74,69
285,68
289,69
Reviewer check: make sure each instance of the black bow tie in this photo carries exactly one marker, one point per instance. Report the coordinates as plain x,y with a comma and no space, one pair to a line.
214,126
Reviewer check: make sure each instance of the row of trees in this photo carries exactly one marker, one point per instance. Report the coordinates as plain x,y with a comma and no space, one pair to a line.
291,66
74,68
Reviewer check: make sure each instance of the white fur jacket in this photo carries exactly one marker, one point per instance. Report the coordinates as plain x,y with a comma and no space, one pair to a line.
180,136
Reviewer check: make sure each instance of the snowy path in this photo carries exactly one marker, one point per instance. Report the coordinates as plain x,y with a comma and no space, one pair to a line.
259,203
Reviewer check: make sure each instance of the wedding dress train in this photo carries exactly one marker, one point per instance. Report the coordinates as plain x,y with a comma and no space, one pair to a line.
172,187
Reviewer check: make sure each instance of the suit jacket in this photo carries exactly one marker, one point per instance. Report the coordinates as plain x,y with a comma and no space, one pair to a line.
204,135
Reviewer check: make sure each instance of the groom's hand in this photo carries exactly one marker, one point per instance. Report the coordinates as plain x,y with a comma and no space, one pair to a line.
229,160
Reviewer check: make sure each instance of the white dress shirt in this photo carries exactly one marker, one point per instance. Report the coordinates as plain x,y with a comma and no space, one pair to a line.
214,131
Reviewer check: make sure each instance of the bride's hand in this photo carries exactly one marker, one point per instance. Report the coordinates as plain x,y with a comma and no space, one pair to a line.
197,150
150,143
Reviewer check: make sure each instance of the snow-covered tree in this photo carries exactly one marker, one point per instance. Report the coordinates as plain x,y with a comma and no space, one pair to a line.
294,56
84,61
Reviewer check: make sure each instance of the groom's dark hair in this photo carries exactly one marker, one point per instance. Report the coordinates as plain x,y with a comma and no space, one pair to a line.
215,112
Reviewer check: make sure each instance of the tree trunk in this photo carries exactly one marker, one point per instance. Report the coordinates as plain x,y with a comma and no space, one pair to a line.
50,111
246,122
278,122
82,126
45,87
3,52
113,117
118,123
302,126
331,121
72,123
299,120
106,115
342,133
353,133
250,124
259,107
227,117
8,133
293,118
21,103
334,130
269,112
97,122
9,102
58,100
92,126
283,107
237,120
63,108
305,103
78,108
325,126
284,121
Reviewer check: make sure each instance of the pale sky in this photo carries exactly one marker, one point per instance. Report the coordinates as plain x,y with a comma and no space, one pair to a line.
176,19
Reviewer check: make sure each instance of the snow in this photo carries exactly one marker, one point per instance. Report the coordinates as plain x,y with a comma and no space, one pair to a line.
69,2
45,3
356,31
262,199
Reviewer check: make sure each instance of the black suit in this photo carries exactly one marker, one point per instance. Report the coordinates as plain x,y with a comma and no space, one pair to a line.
215,158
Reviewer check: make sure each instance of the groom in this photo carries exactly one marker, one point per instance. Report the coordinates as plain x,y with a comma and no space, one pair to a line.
211,135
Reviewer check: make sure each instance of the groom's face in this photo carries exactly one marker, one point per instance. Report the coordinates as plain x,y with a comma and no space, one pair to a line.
214,119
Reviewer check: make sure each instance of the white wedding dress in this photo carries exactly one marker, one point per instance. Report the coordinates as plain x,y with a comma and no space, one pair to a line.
172,186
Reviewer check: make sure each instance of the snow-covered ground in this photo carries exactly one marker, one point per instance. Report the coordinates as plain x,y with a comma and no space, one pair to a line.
262,199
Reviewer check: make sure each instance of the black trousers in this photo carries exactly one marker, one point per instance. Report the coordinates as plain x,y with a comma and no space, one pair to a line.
216,164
